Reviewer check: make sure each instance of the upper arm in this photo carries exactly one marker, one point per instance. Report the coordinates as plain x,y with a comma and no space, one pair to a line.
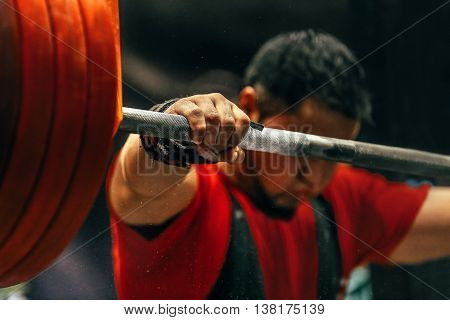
142,191
429,236
373,215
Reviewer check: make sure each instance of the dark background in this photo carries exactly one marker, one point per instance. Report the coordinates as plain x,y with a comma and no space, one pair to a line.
167,44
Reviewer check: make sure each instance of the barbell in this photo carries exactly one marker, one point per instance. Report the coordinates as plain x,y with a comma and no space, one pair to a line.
60,108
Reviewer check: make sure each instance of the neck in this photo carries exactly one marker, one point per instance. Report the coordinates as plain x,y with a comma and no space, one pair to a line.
240,177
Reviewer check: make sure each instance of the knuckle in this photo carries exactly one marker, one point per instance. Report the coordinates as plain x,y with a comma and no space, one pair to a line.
181,102
212,117
228,123
200,127
194,112
217,95
244,121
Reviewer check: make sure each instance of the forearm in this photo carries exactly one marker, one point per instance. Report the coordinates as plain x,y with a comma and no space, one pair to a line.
145,176
145,191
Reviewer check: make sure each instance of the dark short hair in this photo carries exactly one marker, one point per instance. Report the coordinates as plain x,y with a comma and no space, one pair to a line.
296,65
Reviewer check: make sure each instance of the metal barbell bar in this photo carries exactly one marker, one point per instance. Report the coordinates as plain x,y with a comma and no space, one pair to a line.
298,144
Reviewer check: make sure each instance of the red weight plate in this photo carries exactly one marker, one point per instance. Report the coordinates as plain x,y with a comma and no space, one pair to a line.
36,111
9,81
66,132
102,122
114,7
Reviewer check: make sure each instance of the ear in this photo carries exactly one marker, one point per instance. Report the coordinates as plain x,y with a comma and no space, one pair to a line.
356,130
248,103
307,110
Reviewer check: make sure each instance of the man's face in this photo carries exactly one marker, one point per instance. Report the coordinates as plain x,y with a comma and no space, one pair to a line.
287,179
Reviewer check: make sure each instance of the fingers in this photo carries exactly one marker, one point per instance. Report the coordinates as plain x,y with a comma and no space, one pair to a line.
242,124
195,117
238,155
233,155
216,124
212,119
227,124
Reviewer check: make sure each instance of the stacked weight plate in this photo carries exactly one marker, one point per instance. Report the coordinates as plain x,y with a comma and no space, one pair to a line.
10,80
68,114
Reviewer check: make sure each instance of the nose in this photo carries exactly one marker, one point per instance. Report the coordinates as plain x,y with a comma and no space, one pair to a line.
310,175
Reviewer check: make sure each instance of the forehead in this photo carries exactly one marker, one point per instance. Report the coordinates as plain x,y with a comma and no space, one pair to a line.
318,121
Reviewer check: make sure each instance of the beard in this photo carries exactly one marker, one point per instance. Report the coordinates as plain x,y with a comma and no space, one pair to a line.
266,203
269,206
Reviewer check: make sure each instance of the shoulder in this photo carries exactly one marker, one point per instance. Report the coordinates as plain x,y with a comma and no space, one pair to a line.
345,173
348,179
359,188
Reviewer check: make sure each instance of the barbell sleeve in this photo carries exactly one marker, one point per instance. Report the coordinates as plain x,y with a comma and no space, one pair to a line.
298,144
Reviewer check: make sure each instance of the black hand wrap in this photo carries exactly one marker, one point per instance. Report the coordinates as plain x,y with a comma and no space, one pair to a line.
169,151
